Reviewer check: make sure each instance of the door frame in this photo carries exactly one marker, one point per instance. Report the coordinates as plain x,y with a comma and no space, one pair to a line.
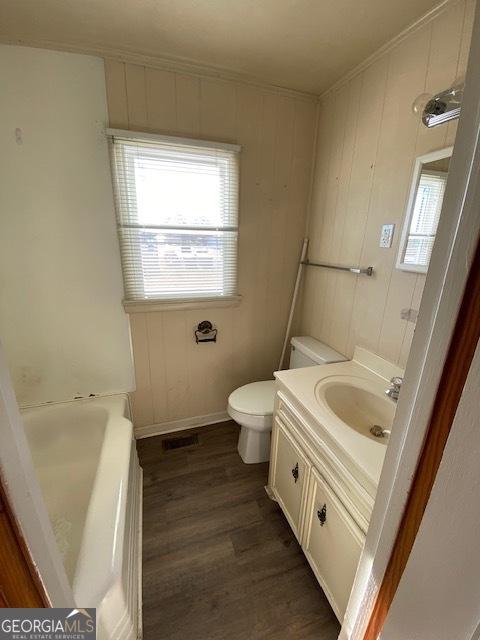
20,585
451,262
457,368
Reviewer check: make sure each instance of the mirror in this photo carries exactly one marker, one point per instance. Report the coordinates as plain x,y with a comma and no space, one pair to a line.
423,210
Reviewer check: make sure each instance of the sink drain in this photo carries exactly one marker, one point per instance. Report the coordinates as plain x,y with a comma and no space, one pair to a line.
379,432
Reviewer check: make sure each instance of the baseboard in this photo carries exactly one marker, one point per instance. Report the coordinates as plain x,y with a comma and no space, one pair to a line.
180,425
140,559
269,492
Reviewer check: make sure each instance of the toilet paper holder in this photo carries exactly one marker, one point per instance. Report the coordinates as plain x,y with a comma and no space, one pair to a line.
205,332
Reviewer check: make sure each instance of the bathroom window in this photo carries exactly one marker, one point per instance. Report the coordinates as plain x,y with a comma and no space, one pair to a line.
177,216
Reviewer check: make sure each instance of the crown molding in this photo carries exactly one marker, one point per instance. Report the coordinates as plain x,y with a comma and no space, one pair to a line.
190,67
428,17
176,65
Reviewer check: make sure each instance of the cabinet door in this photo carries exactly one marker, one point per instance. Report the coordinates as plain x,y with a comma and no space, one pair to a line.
332,543
290,477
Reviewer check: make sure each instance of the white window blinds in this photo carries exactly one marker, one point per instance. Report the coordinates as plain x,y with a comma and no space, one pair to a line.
425,217
177,215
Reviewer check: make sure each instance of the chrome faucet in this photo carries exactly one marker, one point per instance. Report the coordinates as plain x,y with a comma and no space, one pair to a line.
393,390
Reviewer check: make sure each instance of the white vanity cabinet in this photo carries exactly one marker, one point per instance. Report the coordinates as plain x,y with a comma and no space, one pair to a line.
289,477
332,542
319,501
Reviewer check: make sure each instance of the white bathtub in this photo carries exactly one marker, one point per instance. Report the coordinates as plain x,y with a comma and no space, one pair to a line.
87,466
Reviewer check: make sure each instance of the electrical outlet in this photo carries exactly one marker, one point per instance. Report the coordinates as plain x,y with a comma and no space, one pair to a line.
386,236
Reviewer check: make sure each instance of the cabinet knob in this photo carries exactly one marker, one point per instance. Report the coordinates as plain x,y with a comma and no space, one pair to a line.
295,472
322,515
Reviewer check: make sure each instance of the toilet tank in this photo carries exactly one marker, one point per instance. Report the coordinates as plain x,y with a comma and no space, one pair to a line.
305,351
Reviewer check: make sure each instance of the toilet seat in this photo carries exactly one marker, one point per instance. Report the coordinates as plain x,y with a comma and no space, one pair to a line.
252,405
255,398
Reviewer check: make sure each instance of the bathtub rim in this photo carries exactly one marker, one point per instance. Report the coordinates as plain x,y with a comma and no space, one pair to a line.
96,572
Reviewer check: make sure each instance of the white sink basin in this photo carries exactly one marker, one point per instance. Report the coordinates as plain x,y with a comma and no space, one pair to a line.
359,403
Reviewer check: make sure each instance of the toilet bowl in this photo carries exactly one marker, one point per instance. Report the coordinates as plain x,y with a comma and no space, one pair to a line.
251,406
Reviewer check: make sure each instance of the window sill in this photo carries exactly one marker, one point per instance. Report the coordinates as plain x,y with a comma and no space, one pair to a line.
148,306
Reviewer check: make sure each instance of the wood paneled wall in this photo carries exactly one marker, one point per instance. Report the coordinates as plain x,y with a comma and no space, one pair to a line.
368,139
175,377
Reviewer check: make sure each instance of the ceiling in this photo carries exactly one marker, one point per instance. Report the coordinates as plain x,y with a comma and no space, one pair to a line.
299,44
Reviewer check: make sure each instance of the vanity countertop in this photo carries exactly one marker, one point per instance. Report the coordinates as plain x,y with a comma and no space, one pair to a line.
363,456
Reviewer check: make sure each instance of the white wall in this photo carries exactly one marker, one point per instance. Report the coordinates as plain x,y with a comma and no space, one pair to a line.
438,597
62,324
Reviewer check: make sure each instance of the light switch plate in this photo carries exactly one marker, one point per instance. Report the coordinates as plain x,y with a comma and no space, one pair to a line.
386,235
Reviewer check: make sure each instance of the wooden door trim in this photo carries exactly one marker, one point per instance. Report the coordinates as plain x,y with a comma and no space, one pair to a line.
19,575
462,347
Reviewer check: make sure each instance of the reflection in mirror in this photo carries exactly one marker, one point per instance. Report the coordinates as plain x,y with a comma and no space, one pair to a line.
423,210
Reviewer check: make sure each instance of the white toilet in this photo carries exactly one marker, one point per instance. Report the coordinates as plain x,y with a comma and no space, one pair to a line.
251,406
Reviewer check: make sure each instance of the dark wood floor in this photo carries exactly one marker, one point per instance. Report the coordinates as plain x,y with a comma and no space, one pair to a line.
219,559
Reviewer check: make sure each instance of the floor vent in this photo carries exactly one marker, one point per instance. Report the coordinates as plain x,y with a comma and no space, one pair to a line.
181,441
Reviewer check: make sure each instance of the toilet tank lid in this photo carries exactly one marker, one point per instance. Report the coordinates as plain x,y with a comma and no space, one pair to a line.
317,351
